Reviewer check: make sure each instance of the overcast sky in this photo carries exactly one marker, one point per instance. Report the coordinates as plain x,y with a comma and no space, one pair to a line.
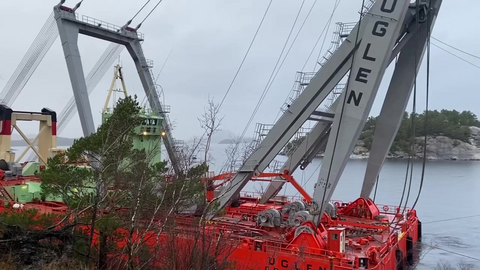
209,39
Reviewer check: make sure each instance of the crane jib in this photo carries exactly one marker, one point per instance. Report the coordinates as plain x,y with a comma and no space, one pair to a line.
380,30
382,25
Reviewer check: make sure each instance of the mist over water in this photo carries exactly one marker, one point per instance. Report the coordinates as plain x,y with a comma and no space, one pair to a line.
447,206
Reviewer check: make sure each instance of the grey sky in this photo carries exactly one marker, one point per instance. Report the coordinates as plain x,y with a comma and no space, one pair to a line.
209,39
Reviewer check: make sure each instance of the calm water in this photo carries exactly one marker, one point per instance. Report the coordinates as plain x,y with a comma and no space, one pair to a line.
450,191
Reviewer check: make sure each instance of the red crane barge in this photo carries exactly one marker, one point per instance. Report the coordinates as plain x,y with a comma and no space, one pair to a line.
313,232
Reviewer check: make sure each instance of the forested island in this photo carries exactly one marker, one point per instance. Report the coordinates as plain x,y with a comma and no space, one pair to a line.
451,135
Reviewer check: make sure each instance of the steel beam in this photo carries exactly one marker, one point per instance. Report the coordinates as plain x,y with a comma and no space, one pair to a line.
309,155
136,52
69,28
396,100
69,36
383,23
303,154
300,110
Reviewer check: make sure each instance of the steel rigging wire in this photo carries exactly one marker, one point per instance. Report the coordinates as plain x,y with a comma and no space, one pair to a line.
463,59
31,65
286,100
343,108
148,15
144,5
327,26
311,52
265,90
413,115
412,142
412,139
17,80
246,54
455,48
92,79
281,64
427,90
241,63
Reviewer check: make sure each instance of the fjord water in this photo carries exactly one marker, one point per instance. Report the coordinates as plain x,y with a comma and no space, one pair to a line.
451,190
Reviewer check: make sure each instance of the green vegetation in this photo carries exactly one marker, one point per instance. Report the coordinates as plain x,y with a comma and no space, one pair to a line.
452,124
123,196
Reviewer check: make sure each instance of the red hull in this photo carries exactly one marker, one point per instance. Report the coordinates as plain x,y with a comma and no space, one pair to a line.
373,237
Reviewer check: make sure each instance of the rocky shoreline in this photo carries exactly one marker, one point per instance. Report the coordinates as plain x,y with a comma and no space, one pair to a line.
438,148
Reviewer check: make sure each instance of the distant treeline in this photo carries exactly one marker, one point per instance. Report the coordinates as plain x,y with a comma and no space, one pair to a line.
449,123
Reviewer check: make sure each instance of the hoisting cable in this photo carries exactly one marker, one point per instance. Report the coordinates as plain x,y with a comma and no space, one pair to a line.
450,219
148,15
463,59
413,118
343,109
301,27
164,63
241,64
140,10
23,69
327,26
427,91
457,49
376,186
310,178
266,89
410,162
30,67
246,54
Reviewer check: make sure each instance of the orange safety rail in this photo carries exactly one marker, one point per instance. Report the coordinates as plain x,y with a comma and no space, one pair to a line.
266,177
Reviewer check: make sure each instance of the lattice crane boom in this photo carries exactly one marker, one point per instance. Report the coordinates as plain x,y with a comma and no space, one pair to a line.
383,32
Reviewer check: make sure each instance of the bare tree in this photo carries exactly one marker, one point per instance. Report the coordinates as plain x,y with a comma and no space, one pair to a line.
237,153
210,122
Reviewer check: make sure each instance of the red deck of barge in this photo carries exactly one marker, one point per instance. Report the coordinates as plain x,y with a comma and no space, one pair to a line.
363,235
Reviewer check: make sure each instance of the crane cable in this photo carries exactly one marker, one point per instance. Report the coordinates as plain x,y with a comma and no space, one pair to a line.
327,26
455,48
36,49
311,52
144,5
343,109
410,164
241,64
463,59
246,54
266,89
288,51
427,91
412,142
412,139
148,15
270,80
235,77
